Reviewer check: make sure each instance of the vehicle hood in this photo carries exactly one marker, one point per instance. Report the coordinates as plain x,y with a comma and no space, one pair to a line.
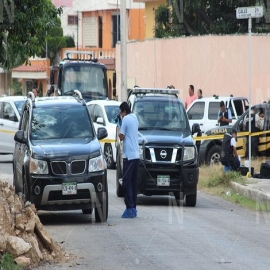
164,137
65,148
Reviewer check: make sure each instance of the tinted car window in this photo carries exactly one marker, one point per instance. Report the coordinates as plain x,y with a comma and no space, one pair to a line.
60,123
196,111
213,110
19,105
112,112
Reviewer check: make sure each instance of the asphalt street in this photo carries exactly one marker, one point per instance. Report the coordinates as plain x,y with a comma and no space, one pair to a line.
215,234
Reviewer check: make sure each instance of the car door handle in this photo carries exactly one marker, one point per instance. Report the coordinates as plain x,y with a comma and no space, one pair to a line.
1,124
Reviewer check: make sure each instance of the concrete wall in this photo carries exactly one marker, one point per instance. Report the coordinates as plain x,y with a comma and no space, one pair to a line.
216,64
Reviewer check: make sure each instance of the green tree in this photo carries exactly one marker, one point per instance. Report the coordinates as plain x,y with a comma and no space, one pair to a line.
200,17
23,27
55,41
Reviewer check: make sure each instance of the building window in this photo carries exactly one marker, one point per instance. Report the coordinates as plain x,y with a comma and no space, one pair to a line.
72,20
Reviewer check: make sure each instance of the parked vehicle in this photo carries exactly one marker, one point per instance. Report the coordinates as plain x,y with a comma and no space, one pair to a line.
10,113
168,155
205,110
210,149
103,114
58,163
82,73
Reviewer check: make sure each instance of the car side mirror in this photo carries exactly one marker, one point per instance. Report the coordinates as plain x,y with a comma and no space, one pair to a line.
102,133
19,136
100,120
195,128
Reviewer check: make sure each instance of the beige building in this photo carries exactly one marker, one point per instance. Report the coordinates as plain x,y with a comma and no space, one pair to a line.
216,64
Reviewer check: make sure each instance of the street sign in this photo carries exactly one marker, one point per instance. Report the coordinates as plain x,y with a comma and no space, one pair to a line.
249,12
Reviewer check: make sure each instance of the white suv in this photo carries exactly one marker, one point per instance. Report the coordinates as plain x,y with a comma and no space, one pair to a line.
205,110
10,111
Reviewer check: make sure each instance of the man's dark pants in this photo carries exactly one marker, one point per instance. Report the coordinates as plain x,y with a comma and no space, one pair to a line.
130,181
254,146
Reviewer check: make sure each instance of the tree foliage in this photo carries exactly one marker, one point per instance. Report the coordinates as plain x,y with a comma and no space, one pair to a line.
200,17
23,27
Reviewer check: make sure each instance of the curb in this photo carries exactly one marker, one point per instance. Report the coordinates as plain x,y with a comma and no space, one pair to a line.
253,194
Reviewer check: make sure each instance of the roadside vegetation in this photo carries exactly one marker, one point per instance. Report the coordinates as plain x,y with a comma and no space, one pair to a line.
7,263
213,180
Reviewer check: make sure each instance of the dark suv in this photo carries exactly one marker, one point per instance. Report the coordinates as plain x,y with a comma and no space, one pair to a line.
168,155
58,163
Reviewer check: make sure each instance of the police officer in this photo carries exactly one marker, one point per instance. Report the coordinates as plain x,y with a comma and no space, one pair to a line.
256,126
224,115
229,156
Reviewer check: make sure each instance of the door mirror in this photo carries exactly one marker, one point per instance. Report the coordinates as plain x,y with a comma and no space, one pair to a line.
19,136
102,133
100,121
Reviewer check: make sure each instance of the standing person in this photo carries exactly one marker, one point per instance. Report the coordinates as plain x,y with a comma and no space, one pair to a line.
224,115
256,126
129,135
229,156
191,97
35,91
199,94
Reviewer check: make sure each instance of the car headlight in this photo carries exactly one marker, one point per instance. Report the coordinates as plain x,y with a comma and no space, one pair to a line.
97,164
38,166
189,153
141,152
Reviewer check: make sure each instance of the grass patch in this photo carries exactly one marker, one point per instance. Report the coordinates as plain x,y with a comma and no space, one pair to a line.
213,180
7,263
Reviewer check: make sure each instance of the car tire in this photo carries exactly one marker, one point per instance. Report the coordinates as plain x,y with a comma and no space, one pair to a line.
213,155
119,189
101,211
108,153
191,199
87,211
15,185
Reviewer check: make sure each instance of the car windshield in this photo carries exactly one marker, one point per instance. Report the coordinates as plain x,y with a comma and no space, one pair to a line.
19,105
112,111
87,79
60,123
160,114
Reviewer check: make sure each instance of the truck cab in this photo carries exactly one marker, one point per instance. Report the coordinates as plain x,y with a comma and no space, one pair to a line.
205,110
86,75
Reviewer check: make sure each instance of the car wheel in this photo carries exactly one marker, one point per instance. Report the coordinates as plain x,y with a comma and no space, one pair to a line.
101,212
15,185
119,175
108,153
191,199
87,211
213,156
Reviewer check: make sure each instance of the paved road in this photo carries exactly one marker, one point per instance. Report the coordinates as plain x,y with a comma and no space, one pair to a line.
214,235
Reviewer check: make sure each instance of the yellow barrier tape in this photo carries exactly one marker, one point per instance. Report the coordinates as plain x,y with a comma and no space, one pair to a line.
7,131
220,136
108,141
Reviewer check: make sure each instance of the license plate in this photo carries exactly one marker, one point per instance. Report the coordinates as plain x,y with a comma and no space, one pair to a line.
69,188
163,180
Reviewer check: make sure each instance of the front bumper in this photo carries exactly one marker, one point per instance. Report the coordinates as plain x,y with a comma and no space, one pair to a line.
182,178
50,195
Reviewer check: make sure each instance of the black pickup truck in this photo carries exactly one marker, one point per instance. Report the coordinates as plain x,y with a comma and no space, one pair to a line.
168,154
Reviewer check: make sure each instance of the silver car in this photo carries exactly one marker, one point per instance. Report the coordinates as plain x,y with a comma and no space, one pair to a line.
10,111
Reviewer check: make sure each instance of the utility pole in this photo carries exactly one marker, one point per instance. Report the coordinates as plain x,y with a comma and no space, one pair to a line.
117,22
77,30
123,50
